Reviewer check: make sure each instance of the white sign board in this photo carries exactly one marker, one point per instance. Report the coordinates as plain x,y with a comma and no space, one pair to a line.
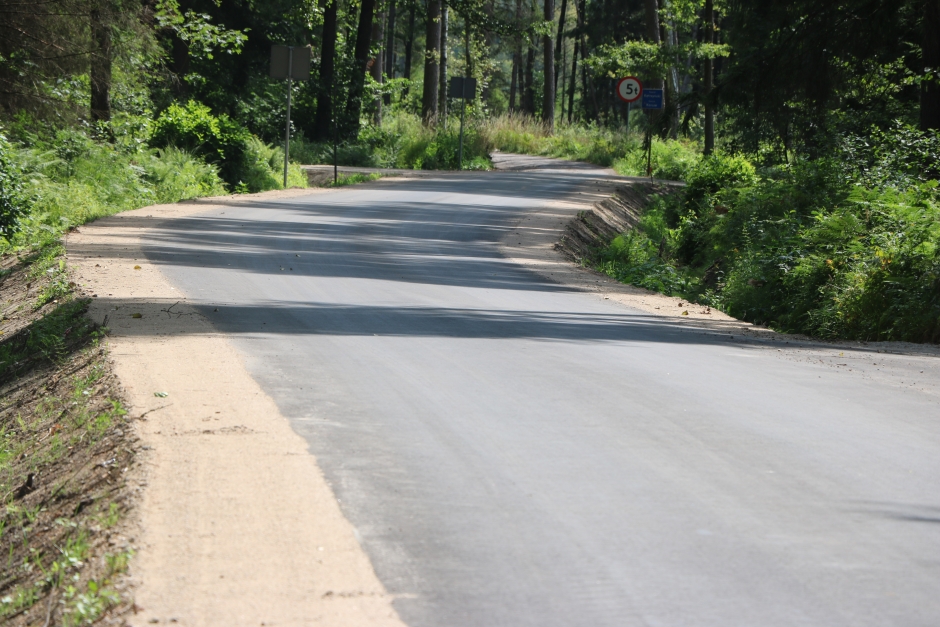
629,89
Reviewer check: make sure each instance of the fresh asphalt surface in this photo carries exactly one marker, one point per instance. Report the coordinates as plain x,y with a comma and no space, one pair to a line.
513,452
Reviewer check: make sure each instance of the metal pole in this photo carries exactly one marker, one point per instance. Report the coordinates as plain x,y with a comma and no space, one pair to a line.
463,110
290,70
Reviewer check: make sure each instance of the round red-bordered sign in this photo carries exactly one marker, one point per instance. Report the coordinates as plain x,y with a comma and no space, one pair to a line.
629,89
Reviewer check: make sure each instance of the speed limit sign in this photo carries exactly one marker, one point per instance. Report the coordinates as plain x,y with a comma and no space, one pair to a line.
629,89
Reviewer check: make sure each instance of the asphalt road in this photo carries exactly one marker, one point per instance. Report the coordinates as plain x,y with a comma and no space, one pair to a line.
516,453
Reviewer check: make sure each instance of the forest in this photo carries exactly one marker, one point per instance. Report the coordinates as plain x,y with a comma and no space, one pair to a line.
806,132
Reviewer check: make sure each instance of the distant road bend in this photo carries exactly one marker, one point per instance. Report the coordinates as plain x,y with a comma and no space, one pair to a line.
517,453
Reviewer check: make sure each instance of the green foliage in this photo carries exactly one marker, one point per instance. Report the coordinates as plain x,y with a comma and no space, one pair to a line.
802,248
175,175
218,140
264,168
14,201
402,141
616,148
74,179
245,162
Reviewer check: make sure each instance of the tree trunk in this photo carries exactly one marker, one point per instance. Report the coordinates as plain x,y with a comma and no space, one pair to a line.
378,37
528,94
100,69
709,80
409,43
390,48
548,50
442,92
559,42
587,86
361,60
432,51
513,82
574,78
323,122
390,43
180,65
653,35
930,89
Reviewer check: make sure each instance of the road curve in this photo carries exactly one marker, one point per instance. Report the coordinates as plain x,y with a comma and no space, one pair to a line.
514,452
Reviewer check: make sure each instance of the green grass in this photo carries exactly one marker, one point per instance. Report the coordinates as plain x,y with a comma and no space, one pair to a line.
73,179
609,147
343,180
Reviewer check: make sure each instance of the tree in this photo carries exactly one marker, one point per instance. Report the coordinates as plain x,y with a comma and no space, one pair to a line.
376,64
101,66
930,83
323,122
708,64
548,50
361,61
432,51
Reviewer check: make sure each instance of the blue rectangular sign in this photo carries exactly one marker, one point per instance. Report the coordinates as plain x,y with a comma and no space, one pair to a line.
652,98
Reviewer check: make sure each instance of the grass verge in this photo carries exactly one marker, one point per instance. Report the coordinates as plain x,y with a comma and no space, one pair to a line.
343,180
65,449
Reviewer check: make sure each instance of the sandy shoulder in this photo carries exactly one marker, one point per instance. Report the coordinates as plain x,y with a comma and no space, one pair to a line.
236,524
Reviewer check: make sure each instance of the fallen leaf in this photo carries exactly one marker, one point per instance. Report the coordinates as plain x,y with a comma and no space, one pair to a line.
136,267
161,394
685,313
137,315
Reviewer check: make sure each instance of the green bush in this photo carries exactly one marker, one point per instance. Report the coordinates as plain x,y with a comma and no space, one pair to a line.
14,201
802,248
218,140
73,179
402,141
176,175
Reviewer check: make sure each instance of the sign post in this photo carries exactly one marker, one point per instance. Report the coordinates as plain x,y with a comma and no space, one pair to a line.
652,101
292,63
464,88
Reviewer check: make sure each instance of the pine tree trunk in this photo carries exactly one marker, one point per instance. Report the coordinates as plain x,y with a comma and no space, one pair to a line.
390,43
432,51
442,92
409,43
513,82
930,89
375,70
323,121
559,42
100,69
361,58
574,80
709,80
390,48
548,51
528,94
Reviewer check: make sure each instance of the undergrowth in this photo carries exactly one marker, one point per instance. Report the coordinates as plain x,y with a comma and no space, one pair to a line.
806,248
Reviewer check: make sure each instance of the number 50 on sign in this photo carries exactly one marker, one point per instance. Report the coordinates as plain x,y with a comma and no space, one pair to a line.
629,89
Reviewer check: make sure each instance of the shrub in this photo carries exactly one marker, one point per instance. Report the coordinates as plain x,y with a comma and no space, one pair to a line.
14,201
177,175
218,140
73,180
801,248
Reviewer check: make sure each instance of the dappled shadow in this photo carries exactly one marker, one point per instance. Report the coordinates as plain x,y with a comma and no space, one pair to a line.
419,231
312,318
